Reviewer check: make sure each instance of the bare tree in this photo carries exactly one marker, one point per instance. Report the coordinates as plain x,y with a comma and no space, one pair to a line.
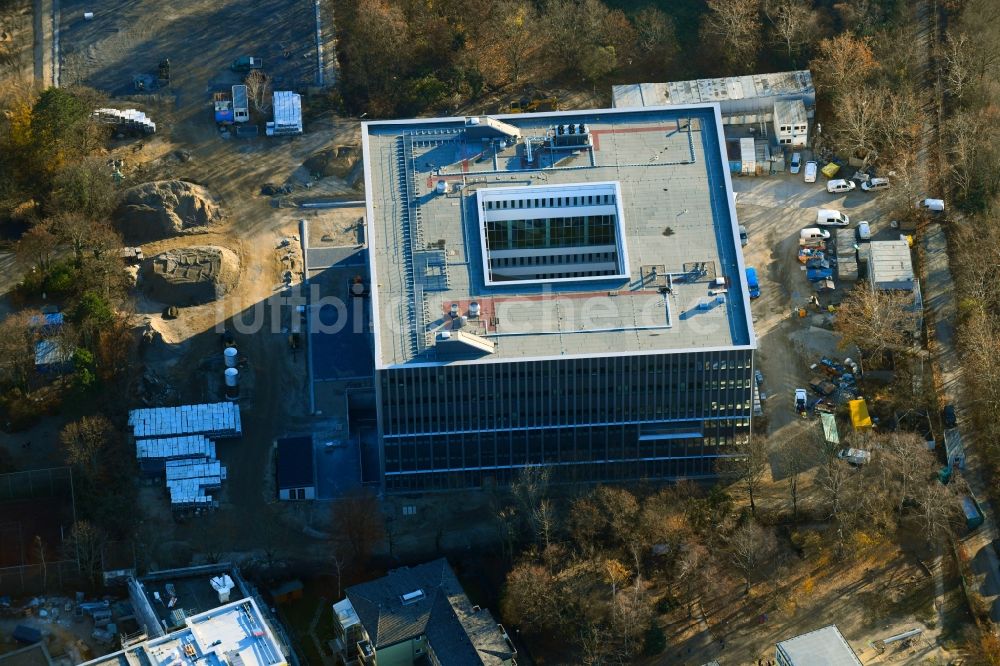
358,520
973,145
86,440
859,122
516,29
19,332
842,64
338,559
736,27
833,479
38,246
796,459
88,240
259,90
750,545
530,490
694,572
41,554
86,543
533,597
655,35
631,614
85,188
875,320
938,512
749,468
794,23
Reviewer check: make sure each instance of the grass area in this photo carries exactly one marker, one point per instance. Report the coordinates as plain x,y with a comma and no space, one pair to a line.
298,615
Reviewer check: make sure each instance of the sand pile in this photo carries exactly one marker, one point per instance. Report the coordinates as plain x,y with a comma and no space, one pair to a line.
191,275
164,208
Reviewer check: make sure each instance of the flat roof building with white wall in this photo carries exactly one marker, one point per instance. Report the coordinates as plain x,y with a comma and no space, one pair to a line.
562,289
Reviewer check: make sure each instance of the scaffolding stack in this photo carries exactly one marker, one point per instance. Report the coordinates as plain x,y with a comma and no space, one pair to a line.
177,443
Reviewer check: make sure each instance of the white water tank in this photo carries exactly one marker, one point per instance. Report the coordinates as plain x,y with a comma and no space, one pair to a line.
230,356
441,187
232,377
473,310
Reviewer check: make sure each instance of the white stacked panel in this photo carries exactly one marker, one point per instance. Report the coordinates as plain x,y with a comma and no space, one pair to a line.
221,419
169,448
188,492
208,470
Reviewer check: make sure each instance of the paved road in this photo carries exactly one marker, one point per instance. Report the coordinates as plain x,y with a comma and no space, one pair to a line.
940,311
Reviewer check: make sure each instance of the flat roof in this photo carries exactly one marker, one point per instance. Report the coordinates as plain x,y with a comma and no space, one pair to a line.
680,228
175,597
790,111
295,462
890,262
822,647
229,634
696,91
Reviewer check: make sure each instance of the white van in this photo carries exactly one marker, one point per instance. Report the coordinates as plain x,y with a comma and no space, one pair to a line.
840,185
827,217
931,204
814,234
875,184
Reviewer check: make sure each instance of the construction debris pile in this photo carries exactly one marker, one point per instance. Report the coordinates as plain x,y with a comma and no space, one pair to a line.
178,444
834,383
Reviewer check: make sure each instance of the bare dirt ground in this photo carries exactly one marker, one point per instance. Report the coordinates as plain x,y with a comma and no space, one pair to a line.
201,39
16,35
890,592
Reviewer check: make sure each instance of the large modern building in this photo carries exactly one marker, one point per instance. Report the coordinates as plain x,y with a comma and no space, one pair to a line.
562,289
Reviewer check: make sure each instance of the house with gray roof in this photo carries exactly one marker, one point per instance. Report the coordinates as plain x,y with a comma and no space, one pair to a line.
418,615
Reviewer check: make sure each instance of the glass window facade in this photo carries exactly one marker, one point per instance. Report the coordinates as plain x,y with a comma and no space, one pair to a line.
630,417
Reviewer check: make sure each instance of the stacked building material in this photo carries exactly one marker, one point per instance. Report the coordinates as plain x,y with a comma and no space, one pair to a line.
177,443
126,119
188,480
153,453
220,419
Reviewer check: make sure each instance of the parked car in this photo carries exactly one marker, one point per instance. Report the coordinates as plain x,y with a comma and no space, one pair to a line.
811,170
813,234
864,231
246,63
817,274
827,217
839,185
744,236
856,457
796,164
948,416
801,401
875,184
936,205
753,284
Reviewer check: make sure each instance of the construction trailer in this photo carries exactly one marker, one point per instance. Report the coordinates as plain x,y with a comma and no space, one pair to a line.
954,449
287,114
241,104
